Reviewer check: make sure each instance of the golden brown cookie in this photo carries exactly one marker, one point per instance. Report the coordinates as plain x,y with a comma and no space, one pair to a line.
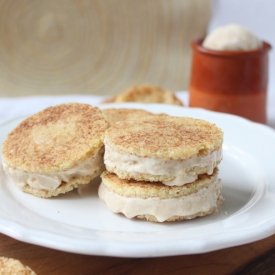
9,266
145,94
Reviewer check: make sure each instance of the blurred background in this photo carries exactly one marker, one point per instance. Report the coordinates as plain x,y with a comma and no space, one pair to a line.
97,47
101,47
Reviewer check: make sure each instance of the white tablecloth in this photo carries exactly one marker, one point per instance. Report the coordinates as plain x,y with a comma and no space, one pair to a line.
15,107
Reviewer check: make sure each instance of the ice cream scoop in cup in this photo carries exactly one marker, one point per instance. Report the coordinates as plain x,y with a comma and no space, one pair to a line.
230,73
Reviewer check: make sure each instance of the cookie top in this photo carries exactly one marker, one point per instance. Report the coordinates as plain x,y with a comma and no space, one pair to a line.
143,189
164,137
148,94
145,94
119,114
9,266
56,138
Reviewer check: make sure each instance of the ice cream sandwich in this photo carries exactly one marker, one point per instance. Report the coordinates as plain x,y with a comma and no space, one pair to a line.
56,150
171,150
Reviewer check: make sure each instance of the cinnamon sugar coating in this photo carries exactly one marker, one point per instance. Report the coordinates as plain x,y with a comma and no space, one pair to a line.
56,138
165,137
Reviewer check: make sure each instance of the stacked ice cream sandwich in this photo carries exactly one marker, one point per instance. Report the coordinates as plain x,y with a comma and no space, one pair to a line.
162,168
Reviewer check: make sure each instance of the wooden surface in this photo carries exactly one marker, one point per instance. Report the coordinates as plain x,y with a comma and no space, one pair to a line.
254,258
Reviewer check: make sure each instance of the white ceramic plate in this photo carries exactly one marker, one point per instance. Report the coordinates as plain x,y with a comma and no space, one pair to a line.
78,222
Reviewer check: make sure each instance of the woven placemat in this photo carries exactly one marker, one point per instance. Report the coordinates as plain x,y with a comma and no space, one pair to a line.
97,47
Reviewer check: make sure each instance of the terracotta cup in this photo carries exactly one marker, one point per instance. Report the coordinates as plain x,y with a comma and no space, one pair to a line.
232,82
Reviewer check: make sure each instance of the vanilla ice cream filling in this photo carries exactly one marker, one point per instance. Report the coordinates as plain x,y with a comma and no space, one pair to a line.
232,37
52,180
162,209
177,169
